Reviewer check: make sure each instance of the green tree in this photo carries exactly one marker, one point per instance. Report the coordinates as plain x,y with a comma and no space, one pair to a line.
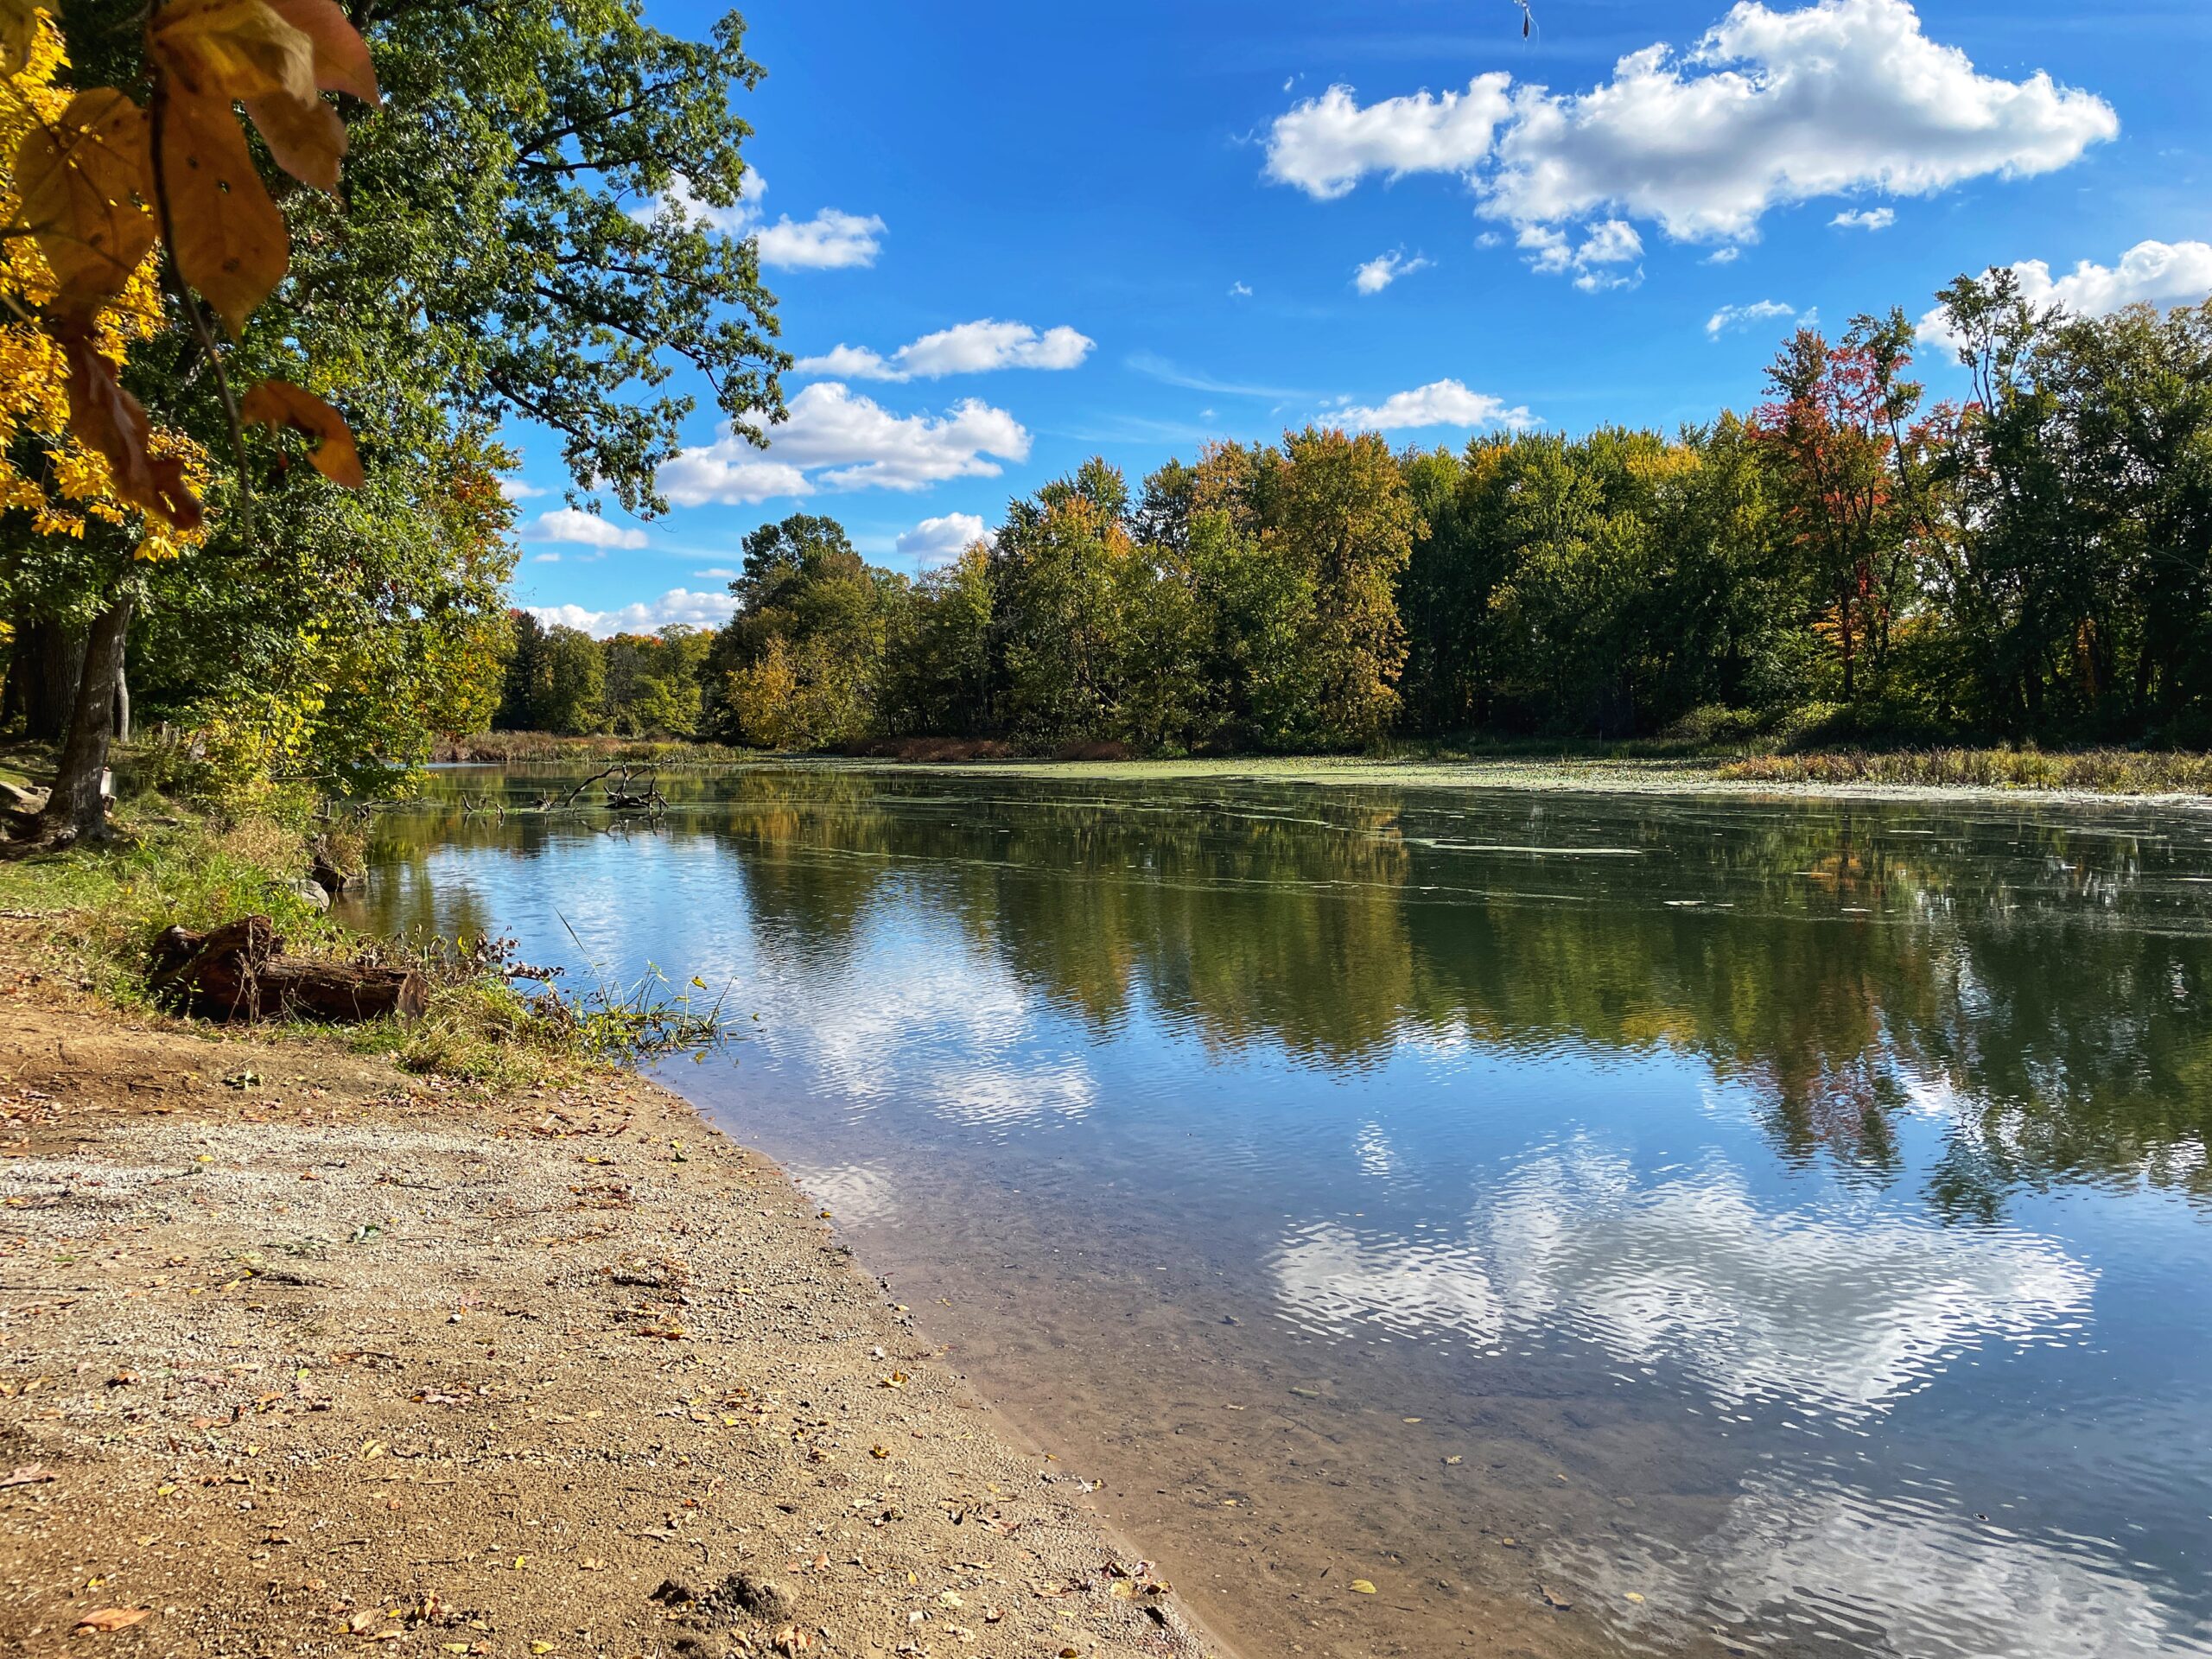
488,262
800,662
1055,570
568,685
938,667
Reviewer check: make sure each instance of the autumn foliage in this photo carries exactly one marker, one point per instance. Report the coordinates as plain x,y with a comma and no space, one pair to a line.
104,186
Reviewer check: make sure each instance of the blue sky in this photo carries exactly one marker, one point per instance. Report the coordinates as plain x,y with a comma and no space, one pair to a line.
1165,209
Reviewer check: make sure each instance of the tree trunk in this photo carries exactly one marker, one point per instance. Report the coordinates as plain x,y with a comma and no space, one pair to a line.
1843,615
42,675
123,696
78,810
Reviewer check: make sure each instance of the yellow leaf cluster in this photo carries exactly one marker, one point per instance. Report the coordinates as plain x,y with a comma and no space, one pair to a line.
62,485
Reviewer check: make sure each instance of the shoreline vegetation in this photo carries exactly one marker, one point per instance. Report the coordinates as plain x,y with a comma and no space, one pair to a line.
1533,763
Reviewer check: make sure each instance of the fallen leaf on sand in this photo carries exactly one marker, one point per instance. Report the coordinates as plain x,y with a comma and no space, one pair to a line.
1454,1462
1361,1587
1553,1598
27,1474
113,1618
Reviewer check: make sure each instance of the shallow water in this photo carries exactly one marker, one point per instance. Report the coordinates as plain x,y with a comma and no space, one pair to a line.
1605,1224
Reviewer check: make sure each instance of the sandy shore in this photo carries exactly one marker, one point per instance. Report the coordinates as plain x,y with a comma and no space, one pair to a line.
302,1355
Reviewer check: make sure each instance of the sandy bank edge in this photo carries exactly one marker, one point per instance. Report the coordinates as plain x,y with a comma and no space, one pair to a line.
345,1361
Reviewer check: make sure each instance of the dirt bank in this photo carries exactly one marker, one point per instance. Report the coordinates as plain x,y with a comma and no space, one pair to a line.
301,1355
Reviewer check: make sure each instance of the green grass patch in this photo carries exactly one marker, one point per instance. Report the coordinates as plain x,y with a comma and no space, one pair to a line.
2102,772
490,1019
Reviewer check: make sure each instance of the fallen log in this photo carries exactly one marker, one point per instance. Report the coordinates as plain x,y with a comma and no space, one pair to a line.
239,971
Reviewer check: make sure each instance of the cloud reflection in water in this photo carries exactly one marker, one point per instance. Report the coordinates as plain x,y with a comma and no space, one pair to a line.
1835,1306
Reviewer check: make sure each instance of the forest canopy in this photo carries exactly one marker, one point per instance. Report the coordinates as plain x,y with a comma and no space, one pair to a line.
1850,558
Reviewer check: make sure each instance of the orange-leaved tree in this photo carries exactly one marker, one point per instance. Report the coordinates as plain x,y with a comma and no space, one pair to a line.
149,217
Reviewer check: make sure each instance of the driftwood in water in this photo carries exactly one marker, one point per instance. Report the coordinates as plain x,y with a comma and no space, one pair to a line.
631,789
240,971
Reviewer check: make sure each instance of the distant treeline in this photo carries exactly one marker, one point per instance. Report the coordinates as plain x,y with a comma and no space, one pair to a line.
1849,559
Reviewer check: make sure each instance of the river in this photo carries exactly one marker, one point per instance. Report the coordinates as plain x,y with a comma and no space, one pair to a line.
1601,1223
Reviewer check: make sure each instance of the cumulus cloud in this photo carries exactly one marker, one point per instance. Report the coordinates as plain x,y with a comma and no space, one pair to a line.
514,489
937,541
1325,145
2150,273
1865,218
1440,403
1729,318
837,439
1770,107
677,605
832,240
1595,262
968,349
586,529
1385,268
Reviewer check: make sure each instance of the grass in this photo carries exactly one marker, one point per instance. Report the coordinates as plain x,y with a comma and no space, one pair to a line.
490,1019
510,748
2101,771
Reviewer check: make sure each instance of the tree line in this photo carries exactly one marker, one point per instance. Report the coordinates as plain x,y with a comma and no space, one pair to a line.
1850,558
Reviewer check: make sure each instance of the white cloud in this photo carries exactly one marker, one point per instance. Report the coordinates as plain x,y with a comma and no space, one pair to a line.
1239,291
2150,273
1865,218
715,573
545,558
837,439
1440,403
515,489
1326,144
831,240
1595,262
1728,256
732,472
1769,108
1385,268
938,541
586,529
677,605
968,349
1729,318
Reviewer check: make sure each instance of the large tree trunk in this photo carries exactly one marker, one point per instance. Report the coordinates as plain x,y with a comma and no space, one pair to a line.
77,810
43,669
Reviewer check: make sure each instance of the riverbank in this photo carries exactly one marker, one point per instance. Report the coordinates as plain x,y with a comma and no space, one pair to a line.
304,1353
2177,776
